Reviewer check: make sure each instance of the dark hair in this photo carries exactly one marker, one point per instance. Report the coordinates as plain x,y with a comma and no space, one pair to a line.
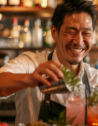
70,7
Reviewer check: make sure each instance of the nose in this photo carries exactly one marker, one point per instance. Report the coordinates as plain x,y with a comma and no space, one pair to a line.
78,39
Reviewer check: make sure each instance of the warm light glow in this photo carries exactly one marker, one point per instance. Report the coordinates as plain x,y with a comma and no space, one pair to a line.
44,3
21,44
95,1
0,16
19,27
25,29
95,124
46,15
72,99
6,33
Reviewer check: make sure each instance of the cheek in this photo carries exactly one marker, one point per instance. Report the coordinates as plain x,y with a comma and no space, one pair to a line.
66,39
89,41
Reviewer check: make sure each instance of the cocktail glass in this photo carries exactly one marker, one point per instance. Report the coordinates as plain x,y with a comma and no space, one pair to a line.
75,107
92,108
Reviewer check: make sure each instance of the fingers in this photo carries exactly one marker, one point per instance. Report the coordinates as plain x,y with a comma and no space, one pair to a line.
36,78
50,74
51,68
43,80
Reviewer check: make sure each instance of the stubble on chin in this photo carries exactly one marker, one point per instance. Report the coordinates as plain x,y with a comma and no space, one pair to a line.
74,62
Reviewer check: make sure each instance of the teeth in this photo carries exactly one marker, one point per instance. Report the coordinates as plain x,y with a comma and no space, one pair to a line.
76,50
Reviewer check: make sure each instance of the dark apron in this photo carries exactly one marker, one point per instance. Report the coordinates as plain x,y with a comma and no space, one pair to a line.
51,110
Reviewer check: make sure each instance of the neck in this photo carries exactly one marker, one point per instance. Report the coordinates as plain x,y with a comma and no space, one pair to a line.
72,67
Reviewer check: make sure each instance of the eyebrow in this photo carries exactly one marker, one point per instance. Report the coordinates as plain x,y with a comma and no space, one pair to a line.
89,29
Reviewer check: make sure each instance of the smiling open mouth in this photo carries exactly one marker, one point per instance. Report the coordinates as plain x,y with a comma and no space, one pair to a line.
77,49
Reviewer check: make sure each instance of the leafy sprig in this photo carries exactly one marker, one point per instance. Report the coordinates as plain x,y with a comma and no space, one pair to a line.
62,121
69,77
93,98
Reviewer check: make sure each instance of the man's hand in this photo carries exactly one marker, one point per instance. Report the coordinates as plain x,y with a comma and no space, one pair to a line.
51,69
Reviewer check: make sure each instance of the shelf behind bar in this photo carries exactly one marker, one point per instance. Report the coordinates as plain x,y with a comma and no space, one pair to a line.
25,10
7,113
94,48
29,49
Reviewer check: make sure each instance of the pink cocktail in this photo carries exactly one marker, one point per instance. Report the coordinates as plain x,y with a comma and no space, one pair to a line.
76,111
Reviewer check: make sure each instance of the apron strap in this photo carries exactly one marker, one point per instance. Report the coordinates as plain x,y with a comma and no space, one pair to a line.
87,93
86,82
47,96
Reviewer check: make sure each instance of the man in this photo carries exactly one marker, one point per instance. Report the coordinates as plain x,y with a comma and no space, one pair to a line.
73,25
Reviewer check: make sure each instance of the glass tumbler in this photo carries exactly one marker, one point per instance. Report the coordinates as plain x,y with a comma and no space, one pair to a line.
92,107
75,107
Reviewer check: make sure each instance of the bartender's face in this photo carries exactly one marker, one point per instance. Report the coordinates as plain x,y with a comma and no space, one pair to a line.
74,40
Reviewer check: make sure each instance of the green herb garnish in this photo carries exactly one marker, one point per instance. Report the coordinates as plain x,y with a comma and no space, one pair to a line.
69,77
62,120
93,98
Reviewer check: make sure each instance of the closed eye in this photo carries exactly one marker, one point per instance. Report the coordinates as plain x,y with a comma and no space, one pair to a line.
86,33
71,33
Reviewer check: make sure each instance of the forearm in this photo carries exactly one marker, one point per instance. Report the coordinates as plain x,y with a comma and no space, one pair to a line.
11,83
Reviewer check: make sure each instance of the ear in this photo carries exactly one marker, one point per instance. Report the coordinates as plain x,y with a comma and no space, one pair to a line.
54,32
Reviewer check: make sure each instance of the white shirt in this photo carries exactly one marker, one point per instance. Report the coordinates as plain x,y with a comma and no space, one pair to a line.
28,100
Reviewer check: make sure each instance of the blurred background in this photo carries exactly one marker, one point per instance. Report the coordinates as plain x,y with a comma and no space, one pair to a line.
25,26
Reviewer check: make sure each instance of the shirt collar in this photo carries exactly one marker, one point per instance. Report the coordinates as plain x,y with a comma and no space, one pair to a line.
55,56
81,70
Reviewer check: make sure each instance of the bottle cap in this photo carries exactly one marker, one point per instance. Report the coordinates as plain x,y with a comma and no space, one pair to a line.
26,23
49,22
38,22
15,20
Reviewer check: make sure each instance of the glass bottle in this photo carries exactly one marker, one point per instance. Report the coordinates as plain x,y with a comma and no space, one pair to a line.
37,3
51,4
44,4
26,34
3,3
13,2
48,40
37,40
21,3
27,3
14,33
